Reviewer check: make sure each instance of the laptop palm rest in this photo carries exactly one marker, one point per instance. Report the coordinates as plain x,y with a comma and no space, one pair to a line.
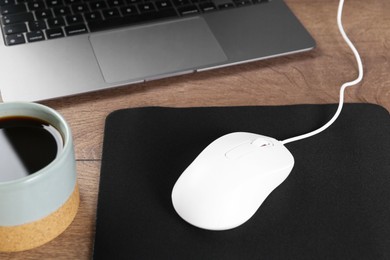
155,51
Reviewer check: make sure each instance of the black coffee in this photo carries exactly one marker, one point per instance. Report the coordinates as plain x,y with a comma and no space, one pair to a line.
26,146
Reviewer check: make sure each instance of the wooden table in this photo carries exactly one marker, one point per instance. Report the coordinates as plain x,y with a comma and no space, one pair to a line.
308,78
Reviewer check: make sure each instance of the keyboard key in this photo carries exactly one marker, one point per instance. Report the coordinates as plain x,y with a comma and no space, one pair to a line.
226,5
37,25
80,8
53,3
13,9
163,4
115,3
131,19
181,2
131,2
111,13
93,16
96,5
75,29
35,36
54,33
37,5
15,28
242,2
146,7
74,19
17,18
61,10
43,14
187,10
207,7
14,39
129,10
56,22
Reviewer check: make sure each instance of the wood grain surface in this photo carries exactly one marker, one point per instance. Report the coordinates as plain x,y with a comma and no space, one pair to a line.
307,78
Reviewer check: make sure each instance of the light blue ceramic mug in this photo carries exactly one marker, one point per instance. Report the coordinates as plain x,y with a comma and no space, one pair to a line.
36,208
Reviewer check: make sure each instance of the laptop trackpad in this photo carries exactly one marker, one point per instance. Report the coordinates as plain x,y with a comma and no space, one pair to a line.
154,51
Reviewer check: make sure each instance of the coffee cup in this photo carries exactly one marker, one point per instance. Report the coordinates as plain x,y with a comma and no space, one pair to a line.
39,195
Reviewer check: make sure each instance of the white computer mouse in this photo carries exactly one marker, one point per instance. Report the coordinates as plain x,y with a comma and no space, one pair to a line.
229,180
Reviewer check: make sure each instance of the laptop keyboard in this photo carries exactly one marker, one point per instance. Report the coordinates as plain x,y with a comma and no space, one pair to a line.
27,21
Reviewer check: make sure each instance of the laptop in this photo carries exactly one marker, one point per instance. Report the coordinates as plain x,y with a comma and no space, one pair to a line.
55,48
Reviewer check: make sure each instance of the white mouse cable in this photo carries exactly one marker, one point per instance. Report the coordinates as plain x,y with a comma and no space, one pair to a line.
343,87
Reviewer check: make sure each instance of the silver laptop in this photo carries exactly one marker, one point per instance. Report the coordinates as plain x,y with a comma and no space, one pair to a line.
54,48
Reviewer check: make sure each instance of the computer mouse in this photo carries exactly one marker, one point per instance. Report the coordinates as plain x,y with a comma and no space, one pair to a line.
229,180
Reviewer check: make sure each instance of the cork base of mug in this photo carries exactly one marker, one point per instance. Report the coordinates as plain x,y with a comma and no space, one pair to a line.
37,233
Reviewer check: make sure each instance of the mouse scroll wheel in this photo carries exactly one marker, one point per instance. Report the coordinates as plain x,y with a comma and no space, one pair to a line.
261,142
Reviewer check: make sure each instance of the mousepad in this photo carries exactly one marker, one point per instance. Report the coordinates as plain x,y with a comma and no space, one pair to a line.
335,204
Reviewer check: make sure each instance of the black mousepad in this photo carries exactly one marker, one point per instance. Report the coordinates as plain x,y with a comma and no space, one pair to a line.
335,204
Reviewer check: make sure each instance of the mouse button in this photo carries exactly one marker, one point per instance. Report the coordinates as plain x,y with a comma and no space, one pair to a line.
240,151
262,142
258,145
266,159
207,166
237,138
